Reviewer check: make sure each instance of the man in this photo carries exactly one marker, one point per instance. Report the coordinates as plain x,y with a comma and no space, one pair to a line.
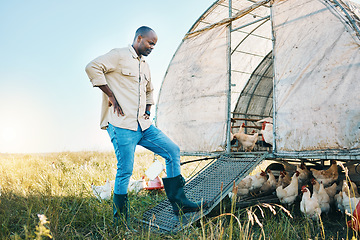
124,78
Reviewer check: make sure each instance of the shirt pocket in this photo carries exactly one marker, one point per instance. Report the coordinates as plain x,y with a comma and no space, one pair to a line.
127,72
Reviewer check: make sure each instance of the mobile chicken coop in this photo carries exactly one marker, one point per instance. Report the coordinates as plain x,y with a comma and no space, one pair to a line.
296,61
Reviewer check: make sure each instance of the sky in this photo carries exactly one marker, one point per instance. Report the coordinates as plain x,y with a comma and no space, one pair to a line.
47,103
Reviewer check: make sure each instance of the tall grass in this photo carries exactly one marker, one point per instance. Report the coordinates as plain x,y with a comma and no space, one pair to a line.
57,186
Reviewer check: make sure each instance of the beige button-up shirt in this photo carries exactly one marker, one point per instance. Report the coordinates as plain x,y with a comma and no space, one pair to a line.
128,77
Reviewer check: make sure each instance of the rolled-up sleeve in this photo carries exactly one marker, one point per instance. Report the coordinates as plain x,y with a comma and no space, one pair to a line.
97,68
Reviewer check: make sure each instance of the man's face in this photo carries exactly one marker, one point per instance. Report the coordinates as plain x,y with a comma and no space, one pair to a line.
147,43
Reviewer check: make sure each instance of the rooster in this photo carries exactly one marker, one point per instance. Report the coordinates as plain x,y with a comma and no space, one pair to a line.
327,177
247,141
102,192
309,206
288,195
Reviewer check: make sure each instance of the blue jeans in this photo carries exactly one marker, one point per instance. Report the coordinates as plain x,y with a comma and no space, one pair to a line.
155,140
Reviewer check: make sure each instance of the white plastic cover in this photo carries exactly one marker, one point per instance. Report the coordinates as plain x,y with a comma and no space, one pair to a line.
192,102
316,69
192,107
317,83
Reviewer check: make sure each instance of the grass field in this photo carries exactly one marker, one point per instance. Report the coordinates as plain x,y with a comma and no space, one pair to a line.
47,196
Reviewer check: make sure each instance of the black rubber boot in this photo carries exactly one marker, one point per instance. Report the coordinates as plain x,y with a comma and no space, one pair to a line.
174,188
121,210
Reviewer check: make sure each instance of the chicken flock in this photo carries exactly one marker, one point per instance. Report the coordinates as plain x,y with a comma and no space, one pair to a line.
317,190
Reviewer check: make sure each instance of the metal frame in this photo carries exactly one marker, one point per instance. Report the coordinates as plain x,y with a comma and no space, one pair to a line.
212,184
353,23
228,107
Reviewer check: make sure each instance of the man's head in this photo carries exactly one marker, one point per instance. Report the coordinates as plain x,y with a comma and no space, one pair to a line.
144,41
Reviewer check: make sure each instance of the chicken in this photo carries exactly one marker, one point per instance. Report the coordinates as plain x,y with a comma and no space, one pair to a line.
246,140
258,180
136,185
323,199
338,202
304,174
53,166
352,191
102,192
243,188
288,167
327,177
309,206
288,195
331,191
284,179
232,139
270,184
349,203
267,132
251,183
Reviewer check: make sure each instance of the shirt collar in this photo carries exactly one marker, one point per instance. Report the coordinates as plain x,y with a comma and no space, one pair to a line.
134,54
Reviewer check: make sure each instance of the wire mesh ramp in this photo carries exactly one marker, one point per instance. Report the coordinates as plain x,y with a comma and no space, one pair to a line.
210,185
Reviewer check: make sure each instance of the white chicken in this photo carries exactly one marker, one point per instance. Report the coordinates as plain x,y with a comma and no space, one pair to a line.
328,176
270,184
136,185
331,191
267,132
288,195
349,203
309,206
323,199
247,141
251,183
102,192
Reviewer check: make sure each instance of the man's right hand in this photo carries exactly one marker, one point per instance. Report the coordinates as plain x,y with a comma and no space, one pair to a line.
112,100
117,109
